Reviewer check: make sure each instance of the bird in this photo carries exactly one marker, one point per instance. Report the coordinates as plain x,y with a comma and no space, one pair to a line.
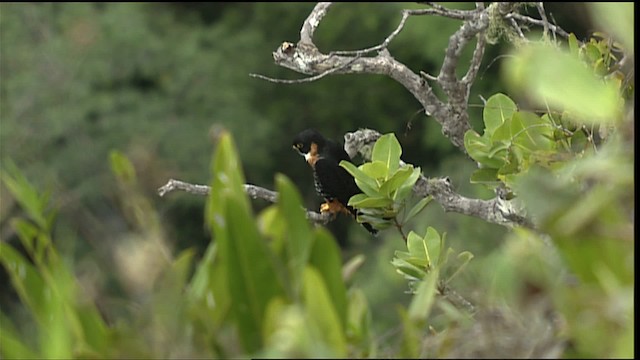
331,181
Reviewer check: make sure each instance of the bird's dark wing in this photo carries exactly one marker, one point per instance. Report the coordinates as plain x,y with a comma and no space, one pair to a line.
335,181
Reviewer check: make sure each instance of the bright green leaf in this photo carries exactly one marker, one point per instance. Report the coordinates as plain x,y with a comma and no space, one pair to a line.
122,167
591,99
298,234
325,257
415,210
484,176
322,313
497,111
376,170
416,245
433,243
478,148
406,188
387,150
396,180
406,268
363,201
252,278
366,183
422,302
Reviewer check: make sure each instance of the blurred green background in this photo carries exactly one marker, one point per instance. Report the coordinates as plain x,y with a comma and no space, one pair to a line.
158,81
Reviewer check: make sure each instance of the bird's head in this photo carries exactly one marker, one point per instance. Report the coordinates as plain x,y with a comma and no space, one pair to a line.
309,143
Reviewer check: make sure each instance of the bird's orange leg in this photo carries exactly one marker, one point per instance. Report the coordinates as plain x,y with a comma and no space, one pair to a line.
333,207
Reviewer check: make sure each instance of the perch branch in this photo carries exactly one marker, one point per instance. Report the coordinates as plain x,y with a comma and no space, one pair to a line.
497,210
255,192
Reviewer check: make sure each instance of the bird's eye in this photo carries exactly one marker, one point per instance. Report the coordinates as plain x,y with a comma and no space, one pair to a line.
299,145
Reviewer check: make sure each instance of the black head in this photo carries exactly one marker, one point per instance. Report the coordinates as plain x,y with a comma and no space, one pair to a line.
303,141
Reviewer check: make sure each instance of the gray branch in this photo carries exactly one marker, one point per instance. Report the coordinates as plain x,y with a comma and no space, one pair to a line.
254,192
497,210
304,57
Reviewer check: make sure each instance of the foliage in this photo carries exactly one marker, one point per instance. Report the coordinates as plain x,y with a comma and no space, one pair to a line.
271,285
386,185
276,288
572,172
67,324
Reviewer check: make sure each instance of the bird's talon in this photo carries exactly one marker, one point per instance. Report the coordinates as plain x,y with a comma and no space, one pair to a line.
325,207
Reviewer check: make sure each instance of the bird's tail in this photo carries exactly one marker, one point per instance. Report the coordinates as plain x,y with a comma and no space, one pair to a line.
366,225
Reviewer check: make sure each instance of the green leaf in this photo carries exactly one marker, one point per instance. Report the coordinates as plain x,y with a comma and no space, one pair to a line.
252,278
580,92
25,194
208,291
298,234
485,176
416,246
322,313
376,170
462,259
325,257
26,281
408,269
11,344
244,255
424,298
497,111
122,167
434,245
387,150
499,151
531,132
363,201
412,333
359,323
406,188
574,46
415,210
366,183
396,180
479,148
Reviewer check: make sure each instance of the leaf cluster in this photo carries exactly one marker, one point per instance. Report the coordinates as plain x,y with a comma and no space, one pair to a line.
386,183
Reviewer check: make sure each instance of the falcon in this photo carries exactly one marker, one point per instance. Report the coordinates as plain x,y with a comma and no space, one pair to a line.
331,181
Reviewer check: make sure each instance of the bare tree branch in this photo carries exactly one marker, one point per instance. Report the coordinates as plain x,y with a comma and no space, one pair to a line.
255,192
305,80
529,20
497,210
304,57
543,16
313,20
452,115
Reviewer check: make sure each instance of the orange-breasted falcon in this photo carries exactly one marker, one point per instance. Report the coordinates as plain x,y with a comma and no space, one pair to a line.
331,181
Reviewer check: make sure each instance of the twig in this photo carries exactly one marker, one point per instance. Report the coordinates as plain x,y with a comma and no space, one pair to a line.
543,16
255,192
173,184
399,227
309,79
530,20
383,45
